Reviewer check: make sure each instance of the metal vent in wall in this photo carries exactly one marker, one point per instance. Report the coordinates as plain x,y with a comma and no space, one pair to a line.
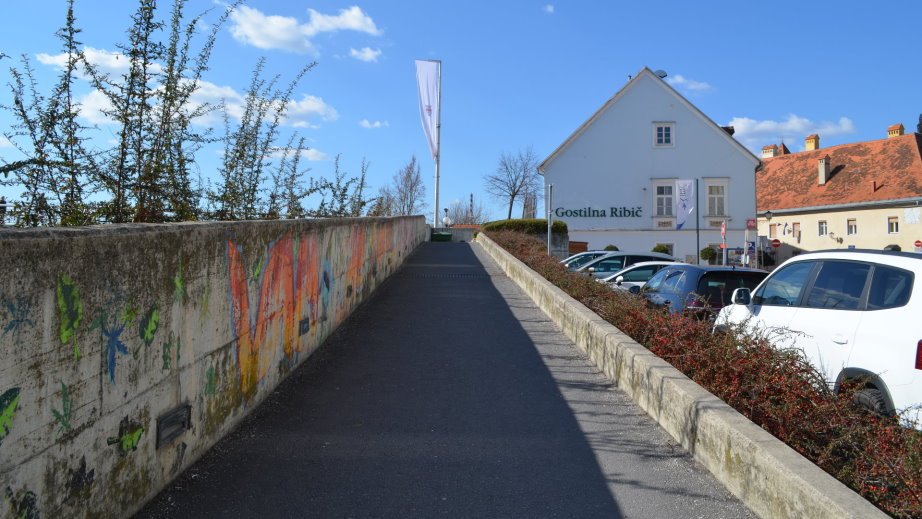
172,424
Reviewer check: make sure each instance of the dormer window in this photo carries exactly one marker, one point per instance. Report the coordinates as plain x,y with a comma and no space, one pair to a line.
663,135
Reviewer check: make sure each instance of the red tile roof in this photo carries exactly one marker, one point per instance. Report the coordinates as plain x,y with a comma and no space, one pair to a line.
897,126
791,181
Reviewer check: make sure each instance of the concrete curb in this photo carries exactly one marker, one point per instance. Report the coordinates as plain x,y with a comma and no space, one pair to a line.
770,477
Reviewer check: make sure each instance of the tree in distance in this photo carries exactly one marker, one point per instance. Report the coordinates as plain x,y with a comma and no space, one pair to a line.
516,177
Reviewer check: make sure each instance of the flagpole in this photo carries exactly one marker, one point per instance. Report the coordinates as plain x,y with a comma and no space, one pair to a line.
438,147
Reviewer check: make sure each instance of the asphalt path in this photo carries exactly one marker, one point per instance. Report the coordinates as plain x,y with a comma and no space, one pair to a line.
447,394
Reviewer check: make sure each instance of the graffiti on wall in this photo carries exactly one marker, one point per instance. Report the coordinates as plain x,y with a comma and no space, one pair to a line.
129,436
70,310
19,316
63,416
80,482
303,285
24,504
282,287
9,401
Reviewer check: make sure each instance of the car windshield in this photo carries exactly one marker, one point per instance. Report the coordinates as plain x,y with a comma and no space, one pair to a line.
578,262
717,287
609,264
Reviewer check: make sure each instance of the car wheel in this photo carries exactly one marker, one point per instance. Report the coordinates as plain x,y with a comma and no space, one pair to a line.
873,400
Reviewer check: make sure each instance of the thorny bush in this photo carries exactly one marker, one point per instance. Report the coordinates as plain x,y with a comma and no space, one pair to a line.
777,389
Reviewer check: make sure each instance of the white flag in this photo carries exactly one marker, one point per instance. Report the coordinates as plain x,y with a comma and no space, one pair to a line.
429,81
684,201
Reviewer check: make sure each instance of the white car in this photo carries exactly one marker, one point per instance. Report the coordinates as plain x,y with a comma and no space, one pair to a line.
853,314
633,277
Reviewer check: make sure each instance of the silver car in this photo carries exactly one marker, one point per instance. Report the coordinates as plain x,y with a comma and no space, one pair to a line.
614,261
635,276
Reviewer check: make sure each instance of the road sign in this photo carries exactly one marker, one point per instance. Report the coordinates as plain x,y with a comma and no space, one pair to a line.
751,224
723,229
776,243
750,246
918,243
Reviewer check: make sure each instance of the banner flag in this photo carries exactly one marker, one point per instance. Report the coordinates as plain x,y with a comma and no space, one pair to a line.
428,81
684,201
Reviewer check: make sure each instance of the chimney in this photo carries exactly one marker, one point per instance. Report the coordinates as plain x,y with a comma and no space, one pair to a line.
769,151
895,131
824,169
812,142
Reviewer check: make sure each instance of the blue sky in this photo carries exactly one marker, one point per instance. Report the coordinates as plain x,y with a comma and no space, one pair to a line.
522,73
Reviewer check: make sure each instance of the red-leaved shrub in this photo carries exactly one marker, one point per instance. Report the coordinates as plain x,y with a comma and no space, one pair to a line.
777,389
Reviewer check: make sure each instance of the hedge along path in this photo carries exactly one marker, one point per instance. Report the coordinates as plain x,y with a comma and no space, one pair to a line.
770,477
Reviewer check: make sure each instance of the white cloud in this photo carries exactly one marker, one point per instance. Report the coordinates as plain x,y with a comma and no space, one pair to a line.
366,54
315,155
755,134
92,106
351,19
262,31
253,27
689,85
5,143
365,123
301,113
105,61
549,9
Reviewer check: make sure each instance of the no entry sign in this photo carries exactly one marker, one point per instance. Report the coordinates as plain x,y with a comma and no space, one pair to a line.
776,243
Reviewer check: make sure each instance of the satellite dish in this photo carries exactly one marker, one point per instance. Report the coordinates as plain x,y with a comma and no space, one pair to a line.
661,74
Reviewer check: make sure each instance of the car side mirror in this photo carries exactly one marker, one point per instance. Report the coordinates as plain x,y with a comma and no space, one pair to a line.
590,270
619,280
741,296
634,289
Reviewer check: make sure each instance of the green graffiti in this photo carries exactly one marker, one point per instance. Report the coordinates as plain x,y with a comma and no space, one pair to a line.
70,309
9,401
129,314
63,416
179,286
210,381
149,326
166,355
128,441
257,268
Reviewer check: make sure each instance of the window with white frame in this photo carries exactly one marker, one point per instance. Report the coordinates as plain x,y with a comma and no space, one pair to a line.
893,225
664,200
663,135
717,197
823,228
851,226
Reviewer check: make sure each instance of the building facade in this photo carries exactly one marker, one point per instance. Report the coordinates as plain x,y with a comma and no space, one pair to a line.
622,177
864,195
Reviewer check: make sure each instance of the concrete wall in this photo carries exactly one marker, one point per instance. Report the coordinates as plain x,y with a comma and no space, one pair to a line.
771,478
103,330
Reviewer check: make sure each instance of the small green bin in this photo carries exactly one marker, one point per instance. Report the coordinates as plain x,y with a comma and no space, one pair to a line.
441,236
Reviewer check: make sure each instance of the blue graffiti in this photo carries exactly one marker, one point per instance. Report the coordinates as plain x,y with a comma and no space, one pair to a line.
19,313
114,345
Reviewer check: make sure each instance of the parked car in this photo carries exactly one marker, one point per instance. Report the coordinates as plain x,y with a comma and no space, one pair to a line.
698,289
612,262
581,258
633,277
853,314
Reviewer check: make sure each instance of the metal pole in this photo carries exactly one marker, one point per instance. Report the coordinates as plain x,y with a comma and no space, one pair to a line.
438,149
697,227
550,215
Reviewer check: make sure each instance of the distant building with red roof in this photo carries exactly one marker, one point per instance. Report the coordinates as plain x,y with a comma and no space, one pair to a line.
863,194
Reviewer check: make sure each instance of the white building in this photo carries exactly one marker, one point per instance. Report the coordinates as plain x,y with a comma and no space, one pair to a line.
614,180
